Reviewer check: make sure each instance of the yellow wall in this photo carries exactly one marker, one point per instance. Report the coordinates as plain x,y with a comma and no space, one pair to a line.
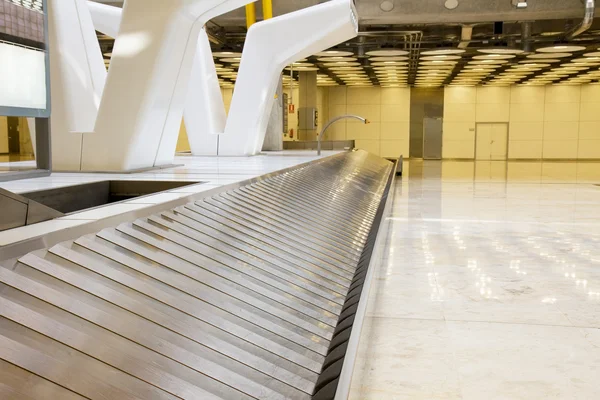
388,109
545,122
183,144
26,144
3,135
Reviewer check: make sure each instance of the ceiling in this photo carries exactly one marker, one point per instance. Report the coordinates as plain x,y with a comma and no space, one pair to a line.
479,34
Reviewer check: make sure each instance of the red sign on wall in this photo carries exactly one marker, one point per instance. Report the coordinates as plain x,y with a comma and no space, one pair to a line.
292,108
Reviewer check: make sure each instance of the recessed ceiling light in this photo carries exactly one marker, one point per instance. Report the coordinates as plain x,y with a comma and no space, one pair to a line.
560,49
395,58
594,54
391,68
490,67
549,55
487,62
342,64
388,63
500,50
587,60
572,68
440,57
336,59
524,69
435,52
389,53
226,54
303,69
231,60
345,69
495,57
334,53
543,60
534,65
438,62
447,67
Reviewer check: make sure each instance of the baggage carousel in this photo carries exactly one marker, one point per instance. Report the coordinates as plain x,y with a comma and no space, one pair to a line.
250,293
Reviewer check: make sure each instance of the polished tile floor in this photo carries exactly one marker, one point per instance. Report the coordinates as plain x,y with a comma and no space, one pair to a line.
488,286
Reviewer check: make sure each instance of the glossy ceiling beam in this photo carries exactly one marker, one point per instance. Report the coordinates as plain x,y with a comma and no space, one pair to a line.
77,76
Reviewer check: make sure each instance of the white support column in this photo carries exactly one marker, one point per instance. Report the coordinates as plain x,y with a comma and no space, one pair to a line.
270,46
77,76
145,93
107,19
204,114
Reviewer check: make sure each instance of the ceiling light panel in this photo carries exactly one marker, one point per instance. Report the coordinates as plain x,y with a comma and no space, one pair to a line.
549,55
560,49
387,53
397,58
500,50
336,59
440,58
495,57
334,53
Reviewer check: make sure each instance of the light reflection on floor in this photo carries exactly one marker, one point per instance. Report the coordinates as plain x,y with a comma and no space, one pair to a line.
488,287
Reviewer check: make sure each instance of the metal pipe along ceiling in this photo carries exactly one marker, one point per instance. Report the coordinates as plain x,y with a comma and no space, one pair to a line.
586,23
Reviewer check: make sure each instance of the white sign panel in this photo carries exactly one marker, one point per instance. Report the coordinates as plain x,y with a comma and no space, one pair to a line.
22,77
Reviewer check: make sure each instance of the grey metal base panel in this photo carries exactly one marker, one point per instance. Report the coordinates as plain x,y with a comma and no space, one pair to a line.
236,296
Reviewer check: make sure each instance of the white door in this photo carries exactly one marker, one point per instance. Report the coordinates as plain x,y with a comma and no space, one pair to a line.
492,142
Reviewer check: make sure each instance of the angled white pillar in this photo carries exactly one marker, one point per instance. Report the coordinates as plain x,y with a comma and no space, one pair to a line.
107,19
145,93
77,75
204,114
270,46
